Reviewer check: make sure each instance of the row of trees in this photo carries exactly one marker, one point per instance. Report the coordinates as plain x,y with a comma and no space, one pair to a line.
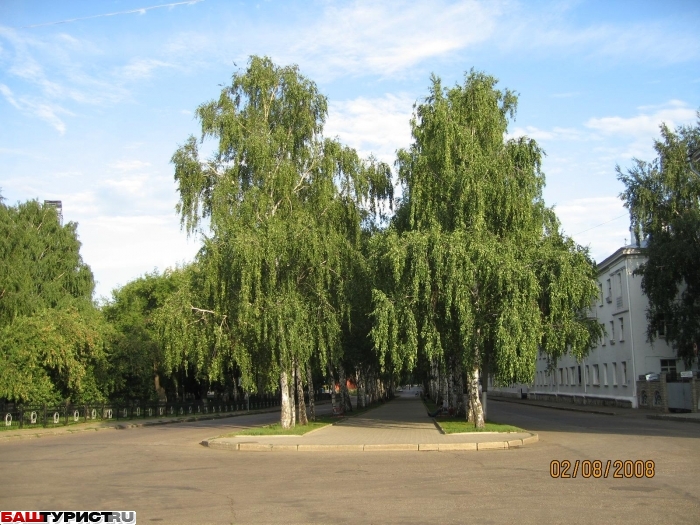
302,276
471,275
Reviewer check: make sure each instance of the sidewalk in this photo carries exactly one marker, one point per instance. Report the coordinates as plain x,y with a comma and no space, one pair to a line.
402,424
639,413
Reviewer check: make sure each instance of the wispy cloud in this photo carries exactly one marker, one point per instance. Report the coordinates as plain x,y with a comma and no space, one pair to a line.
139,10
384,38
141,68
44,110
647,122
556,133
129,165
553,33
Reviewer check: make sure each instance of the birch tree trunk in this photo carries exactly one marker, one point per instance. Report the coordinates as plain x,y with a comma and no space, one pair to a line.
285,409
344,394
292,405
310,385
475,408
444,387
303,420
360,389
331,384
461,397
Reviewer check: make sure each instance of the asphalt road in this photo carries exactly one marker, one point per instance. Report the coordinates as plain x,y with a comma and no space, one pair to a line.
167,477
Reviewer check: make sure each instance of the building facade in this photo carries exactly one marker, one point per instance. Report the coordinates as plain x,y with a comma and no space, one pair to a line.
610,372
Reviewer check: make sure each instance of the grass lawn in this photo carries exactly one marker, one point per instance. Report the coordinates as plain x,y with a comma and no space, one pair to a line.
277,430
456,425
453,425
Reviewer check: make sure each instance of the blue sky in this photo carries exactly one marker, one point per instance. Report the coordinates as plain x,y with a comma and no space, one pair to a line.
96,96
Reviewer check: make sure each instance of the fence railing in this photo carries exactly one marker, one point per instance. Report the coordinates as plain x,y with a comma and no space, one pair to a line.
54,416
29,416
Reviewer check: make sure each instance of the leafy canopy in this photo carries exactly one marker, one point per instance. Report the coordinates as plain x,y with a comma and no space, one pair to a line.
663,197
284,207
474,267
51,335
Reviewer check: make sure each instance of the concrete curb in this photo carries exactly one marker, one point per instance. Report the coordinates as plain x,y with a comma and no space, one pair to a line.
680,419
569,409
67,430
374,447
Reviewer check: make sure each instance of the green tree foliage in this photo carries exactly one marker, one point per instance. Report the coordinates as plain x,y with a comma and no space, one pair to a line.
284,206
474,269
136,355
663,198
51,344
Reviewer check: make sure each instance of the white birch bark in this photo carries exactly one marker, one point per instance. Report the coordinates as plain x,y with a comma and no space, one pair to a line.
310,387
476,410
285,409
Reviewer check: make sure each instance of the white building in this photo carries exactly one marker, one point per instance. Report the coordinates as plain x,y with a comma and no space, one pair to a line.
608,374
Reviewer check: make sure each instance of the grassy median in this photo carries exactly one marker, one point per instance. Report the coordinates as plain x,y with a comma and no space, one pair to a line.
459,425
276,429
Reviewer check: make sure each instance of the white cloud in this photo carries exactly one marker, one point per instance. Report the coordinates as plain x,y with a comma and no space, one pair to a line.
139,68
129,165
121,248
384,38
44,110
378,126
601,223
551,32
556,133
133,185
646,123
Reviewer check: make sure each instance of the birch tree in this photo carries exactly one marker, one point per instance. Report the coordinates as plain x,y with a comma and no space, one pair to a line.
283,206
474,268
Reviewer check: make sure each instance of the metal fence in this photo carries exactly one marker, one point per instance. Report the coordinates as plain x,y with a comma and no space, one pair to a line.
19,416
29,416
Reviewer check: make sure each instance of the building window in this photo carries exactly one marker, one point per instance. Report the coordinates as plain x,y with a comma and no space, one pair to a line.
600,294
561,377
573,376
622,329
614,374
588,375
579,375
624,373
662,327
596,375
605,374
668,365
568,381
619,290
612,332
609,297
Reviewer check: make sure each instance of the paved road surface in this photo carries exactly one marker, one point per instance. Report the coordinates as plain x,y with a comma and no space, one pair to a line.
167,477
404,421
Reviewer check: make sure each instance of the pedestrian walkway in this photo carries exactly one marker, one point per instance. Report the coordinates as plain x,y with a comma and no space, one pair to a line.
632,413
402,424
